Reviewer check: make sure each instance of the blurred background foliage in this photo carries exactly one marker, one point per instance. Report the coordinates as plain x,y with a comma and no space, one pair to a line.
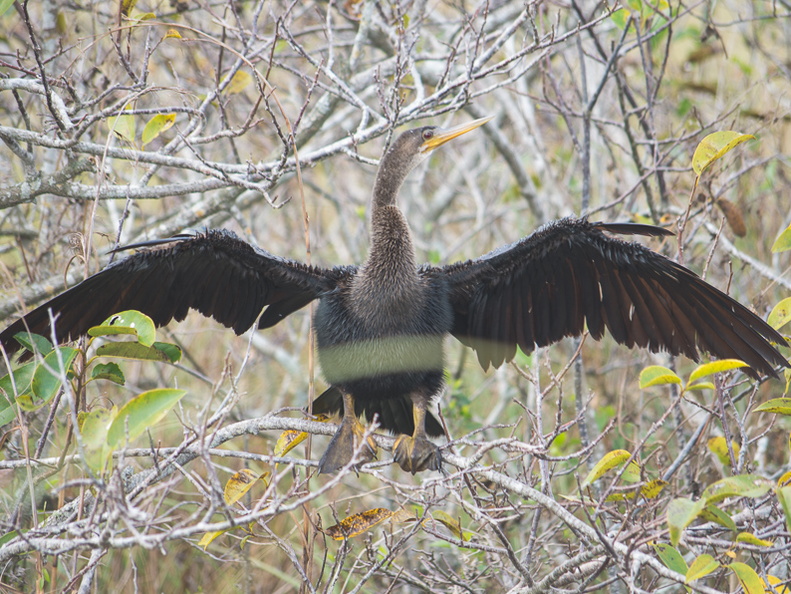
127,121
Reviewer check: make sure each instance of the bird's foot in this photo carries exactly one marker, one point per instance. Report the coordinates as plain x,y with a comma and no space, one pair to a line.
349,439
414,454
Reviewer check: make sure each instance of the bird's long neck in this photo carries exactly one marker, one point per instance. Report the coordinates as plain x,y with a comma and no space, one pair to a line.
392,255
390,269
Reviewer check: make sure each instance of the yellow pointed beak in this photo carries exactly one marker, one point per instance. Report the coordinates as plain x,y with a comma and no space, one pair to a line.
441,136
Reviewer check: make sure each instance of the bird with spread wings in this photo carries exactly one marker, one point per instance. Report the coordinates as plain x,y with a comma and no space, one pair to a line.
380,327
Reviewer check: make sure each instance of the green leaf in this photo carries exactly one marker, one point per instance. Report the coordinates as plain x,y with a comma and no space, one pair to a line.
743,485
619,18
784,497
700,386
23,376
5,5
611,460
8,536
143,411
123,126
714,367
656,375
132,350
781,314
783,241
712,513
108,371
750,581
34,343
93,428
702,566
715,146
671,558
127,322
47,377
172,352
778,406
681,512
157,125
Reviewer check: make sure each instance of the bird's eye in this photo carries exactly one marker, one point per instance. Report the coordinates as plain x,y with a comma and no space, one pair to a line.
428,134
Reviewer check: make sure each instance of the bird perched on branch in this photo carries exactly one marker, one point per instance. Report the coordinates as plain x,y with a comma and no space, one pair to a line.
380,326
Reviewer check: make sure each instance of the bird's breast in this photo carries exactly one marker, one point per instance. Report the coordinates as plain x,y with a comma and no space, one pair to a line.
382,335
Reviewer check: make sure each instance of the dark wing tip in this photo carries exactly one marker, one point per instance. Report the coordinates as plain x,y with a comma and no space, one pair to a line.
628,228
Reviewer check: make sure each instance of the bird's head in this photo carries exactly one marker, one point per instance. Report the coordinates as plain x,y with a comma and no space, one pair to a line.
433,137
409,149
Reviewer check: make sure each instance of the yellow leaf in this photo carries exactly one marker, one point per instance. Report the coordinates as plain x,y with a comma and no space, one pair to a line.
610,460
702,566
240,81
625,496
126,6
402,515
209,537
123,126
778,406
784,480
776,583
172,34
781,314
240,483
656,375
356,524
750,581
749,538
715,367
451,523
291,438
783,241
715,146
288,440
719,447
653,488
156,125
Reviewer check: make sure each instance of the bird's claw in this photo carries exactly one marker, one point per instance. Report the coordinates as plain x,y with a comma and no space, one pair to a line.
348,440
415,454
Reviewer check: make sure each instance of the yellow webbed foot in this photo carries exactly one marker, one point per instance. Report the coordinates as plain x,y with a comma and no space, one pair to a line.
415,454
348,440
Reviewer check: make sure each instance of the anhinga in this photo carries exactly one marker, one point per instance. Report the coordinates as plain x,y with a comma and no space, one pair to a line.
380,326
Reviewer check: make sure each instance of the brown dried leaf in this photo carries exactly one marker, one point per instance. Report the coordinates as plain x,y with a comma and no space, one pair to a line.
733,214
358,523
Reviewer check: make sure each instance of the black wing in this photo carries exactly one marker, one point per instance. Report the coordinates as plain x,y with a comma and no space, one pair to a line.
215,273
568,273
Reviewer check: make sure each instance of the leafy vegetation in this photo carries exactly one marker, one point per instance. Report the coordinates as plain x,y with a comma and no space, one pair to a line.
180,459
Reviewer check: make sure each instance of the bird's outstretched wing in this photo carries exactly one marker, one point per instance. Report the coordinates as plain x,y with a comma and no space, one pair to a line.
569,273
213,272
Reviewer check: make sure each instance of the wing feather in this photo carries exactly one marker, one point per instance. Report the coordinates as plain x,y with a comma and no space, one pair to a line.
214,272
568,273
